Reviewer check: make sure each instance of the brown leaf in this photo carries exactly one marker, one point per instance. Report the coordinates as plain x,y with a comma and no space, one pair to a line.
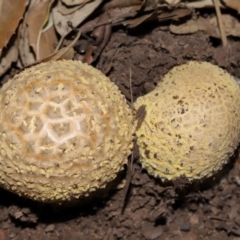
132,23
36,18
231,26
210,26
70,6
47,43
75,2
123,3
11,12
234,4
190,26
77,17
25,52
192,3
174,15
63,53
9,56
120,14
67,10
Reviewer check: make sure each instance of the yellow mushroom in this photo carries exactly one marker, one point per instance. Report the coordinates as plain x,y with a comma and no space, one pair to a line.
65,131
192,122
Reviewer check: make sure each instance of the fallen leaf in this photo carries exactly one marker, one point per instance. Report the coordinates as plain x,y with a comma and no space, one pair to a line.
63,53
77,17
75,2
68,10
25,52
188,27
11,12
9,55
48,42
174,15
234,4
210,26
121,14
192,4
36,18
132,23
172,2
230,23
123,3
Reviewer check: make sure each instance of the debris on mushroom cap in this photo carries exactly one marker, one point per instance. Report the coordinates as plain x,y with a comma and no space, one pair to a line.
192,122
65,131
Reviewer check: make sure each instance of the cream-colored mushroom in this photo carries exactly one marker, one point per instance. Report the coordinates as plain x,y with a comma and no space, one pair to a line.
65,131
192,122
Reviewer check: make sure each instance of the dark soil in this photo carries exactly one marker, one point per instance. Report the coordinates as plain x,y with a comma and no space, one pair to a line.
152,210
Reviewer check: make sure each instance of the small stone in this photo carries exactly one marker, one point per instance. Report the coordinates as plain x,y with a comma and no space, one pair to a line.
193,207
12,235
50,228
194,219
3,235
185,227
150,231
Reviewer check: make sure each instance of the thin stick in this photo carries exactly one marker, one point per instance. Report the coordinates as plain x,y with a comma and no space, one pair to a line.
130,168
130,82
220,22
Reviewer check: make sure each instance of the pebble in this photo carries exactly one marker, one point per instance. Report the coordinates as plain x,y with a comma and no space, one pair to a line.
185,227
50,228
194,219
3,235
150,231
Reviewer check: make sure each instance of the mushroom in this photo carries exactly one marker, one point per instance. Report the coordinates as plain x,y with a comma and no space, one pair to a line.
66,130
192,122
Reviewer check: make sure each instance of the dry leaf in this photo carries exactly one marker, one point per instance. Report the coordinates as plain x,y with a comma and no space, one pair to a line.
210,26
132,23
120,14
234,4
136,21
26,54
68,10
48,42
75,2
190,26
192,3
63,53
9,55
231,26
36,18
36,40
123,3
11,12
172,2
77,17
174,15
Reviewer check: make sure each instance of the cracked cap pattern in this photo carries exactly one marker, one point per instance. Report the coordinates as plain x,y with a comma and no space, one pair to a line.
65,131
192,122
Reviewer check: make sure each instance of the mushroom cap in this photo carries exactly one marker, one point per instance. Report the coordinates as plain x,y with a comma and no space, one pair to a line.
192,122
66,130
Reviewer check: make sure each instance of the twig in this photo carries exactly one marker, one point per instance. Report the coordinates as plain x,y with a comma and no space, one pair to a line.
130,82
130,168
220,22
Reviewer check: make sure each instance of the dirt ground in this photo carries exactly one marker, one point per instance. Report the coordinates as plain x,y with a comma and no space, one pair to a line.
153,210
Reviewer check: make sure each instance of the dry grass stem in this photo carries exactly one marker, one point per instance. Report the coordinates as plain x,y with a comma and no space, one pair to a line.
220,22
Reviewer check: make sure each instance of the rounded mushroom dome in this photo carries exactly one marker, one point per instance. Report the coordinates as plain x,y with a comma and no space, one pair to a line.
66,130
192,122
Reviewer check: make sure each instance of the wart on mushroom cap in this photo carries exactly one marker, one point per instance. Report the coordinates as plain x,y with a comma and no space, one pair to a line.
65,131
192,122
